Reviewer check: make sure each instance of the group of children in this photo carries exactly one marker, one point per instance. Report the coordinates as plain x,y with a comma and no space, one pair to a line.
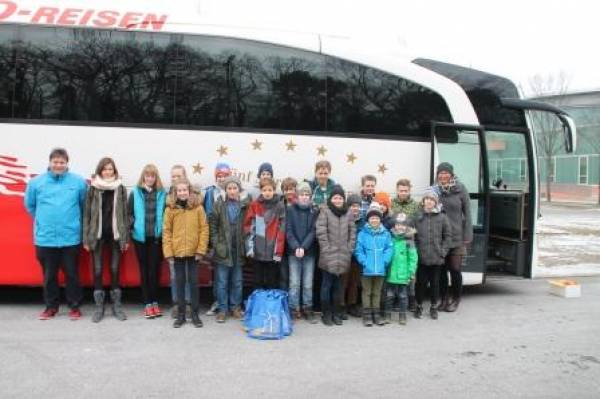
357,240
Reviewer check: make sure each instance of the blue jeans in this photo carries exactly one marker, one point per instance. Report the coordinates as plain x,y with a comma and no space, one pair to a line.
331,285
229,287
393,292
301,273
174,286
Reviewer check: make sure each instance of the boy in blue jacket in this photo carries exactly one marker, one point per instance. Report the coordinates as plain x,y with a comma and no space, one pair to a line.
374,253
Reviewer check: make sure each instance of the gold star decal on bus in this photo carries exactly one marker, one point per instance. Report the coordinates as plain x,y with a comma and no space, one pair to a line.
321,150
351,158
382,168
222,150
291,146
197,169
256,145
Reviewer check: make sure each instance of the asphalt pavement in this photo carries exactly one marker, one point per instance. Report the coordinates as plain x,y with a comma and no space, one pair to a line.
509,338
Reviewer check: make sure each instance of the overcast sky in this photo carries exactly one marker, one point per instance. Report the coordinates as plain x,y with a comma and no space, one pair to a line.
513,38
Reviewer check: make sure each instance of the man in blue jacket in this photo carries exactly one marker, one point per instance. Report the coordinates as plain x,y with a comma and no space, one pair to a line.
56,199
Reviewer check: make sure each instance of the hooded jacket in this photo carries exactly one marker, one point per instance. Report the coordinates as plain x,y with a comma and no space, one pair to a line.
56,203
264,229
404,259
374,250
185,230
337,237
221,230
320,196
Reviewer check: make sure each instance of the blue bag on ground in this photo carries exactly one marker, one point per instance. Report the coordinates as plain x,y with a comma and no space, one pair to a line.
268,315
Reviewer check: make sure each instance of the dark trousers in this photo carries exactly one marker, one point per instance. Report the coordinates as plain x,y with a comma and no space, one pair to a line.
428,274
331,287
266,274
284,275
395,292
186,274
453,265
51,259
115,262
148,255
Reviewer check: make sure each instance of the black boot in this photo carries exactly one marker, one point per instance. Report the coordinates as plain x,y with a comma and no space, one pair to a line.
402,318
354,311
343,313
444,304
412,303
99,309
179,321
115,296
196,320
367,317
337,316
326,316
419,311
433,312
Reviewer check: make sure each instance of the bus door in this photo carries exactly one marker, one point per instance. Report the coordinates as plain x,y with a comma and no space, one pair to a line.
464,147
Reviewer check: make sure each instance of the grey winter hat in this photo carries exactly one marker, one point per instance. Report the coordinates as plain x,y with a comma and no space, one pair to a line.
232,179
353,199
304,187
429,193
445,167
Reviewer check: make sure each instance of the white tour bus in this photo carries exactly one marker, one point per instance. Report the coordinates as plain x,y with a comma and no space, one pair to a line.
149,86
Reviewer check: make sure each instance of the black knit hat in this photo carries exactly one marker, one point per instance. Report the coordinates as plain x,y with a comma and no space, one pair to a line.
445,167
337,190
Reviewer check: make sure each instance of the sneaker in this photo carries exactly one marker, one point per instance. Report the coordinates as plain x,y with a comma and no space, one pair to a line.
418,311
179,321
237,314
75,314
149,312
48,314
221,317
156,309
213,309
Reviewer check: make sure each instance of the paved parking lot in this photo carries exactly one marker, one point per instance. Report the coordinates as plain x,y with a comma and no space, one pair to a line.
509,339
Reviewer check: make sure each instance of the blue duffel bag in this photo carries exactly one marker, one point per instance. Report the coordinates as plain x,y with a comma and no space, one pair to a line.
268,315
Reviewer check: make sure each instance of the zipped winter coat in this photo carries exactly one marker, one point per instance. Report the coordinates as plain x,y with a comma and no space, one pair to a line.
433,237
185,230
221,232
457,207
91,217
337,237
264,229
300,230
374,250
56,203
146,211
404,259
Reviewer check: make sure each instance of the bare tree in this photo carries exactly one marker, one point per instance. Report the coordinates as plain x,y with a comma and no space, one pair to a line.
546,126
